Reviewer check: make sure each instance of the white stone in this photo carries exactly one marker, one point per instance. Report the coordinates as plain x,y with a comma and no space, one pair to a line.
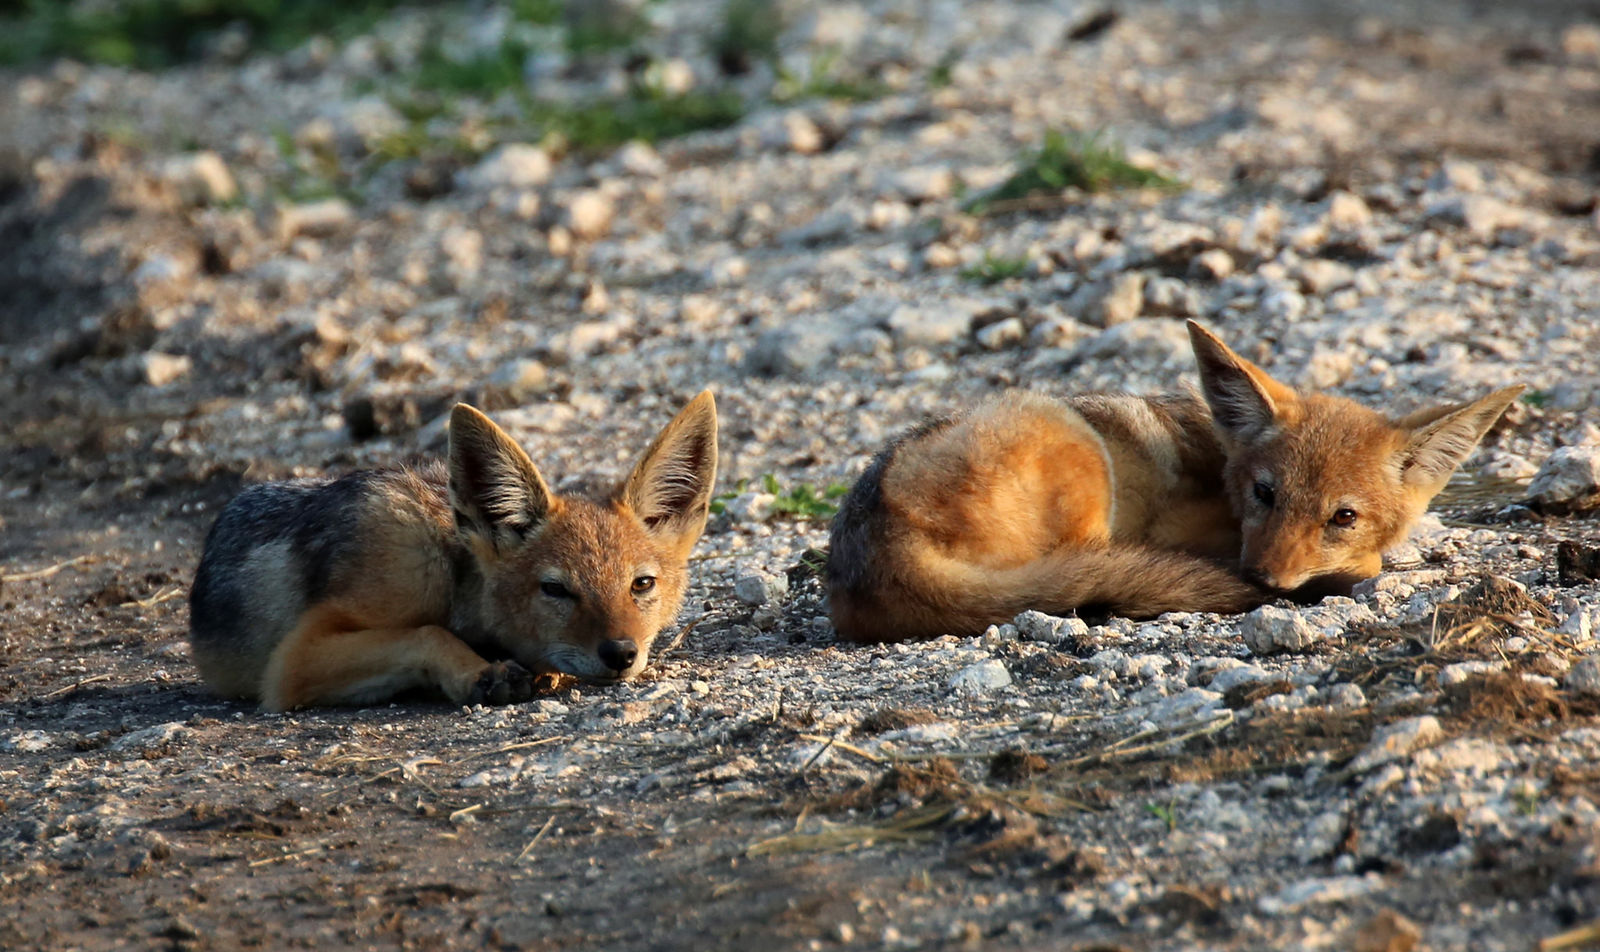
1321,276
751,507
930,325
1584,678
200,178
925,183
760,588
1581,624
1230,678
1271,629
1346,697
1571,475
793,131
673,77
638,158
1170,297
1123,300
514,165
1457,175
463,248
30,742
159,369
1398,584
1462,671
520,379
1473,755
1347,211
1394,741
1309,892
313,218
1109,661
1581,42
1194,705
1157,340
1037,626
1213,264
151,738
589,213
1503,465
938,732
160,269
980,678
1002,334
1480,215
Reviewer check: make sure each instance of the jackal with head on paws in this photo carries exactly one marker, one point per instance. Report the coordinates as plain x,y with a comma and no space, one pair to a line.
1137,505
465,579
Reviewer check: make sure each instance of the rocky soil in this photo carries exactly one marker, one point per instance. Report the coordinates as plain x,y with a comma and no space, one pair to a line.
220,273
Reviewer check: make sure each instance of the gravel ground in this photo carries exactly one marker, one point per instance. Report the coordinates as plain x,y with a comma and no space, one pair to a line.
1394,204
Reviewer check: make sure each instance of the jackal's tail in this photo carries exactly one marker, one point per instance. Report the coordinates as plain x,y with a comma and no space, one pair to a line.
933,594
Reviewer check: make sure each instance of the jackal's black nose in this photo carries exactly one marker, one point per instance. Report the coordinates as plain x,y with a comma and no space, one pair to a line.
1261,579
618,655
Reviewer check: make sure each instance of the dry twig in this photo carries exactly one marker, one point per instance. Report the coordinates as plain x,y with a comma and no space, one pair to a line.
536,838
44,572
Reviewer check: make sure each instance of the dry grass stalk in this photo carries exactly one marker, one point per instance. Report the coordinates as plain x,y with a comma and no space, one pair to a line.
44,572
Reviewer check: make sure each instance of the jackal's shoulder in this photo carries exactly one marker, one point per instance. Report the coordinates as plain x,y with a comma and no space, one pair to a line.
1172,430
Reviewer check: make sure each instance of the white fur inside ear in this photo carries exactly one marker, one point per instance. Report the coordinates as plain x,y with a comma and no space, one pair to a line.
1436,450
670,487
671,484
504,496
492,482
1239,408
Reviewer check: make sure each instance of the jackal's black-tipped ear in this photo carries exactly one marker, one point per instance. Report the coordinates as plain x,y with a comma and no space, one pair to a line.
670,487
1244,399
1441,437
494,487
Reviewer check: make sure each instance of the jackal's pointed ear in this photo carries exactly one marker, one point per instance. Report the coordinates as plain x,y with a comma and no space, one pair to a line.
1244,400
1439,438
495,489
670,487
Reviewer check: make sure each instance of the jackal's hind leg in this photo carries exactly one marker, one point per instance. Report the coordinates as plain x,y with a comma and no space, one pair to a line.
326,660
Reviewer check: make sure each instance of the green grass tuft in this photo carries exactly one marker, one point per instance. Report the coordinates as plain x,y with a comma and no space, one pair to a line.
603,26
802,501
485,74
1165,812
647,115
152,34
824,80
537,12
1070,160
995,268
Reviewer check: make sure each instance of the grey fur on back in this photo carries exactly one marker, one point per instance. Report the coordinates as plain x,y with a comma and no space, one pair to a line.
269,555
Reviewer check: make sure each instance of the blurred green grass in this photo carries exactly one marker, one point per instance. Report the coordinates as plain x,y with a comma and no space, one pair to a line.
154,34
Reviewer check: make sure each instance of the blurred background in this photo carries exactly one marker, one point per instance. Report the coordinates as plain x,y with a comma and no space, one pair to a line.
314,225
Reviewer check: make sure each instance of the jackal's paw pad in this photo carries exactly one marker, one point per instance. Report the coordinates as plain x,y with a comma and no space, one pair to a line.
503,682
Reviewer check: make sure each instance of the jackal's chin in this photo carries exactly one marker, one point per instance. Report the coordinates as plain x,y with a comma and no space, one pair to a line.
1318,587
586,665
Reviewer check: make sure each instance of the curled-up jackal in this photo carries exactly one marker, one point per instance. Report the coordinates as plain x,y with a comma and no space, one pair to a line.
461,579
1137,505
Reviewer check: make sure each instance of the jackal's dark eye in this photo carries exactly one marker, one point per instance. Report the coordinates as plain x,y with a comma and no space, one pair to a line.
555,590
1264,493
644,584
1344,518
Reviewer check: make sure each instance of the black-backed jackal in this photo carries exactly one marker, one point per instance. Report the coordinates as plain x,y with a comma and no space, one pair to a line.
463,578
1137,505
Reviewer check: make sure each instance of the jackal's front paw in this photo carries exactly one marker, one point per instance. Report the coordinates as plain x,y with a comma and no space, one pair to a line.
502,682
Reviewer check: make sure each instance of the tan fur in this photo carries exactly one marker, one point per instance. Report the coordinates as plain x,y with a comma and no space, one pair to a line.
1139,505
429,583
